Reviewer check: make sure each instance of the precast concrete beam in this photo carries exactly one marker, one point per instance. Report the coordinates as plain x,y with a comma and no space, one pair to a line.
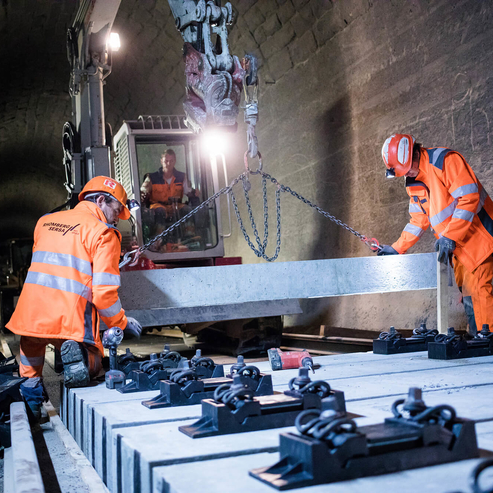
207,288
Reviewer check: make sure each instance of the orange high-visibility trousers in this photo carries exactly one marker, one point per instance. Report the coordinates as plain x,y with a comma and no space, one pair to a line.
478,285
33,356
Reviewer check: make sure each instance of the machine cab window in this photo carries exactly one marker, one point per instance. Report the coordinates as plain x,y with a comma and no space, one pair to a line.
169,176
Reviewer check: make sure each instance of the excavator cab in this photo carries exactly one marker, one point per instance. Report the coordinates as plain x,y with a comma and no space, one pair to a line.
161,164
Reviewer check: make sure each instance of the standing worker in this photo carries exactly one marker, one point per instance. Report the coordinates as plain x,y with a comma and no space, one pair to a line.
446,194
72,283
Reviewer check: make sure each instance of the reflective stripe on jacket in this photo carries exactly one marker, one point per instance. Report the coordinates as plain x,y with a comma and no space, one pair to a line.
162,191
73,279
453,202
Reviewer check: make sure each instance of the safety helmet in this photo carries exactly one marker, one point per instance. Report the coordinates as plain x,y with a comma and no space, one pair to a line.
107,185
397,154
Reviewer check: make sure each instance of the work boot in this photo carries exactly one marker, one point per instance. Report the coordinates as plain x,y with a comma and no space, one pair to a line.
75,371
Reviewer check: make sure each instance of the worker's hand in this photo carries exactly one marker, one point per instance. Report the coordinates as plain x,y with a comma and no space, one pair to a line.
444,246
133,328
387,250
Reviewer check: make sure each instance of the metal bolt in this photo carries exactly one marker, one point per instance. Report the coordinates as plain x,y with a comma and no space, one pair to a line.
414,403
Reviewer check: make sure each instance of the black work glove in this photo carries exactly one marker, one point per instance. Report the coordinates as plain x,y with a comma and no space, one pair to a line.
387,250
444,246
133,328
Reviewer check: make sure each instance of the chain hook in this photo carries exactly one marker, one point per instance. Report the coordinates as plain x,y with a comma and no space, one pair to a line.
127,258
371,243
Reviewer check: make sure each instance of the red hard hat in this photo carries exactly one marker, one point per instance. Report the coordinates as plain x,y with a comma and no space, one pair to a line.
109,186
397,154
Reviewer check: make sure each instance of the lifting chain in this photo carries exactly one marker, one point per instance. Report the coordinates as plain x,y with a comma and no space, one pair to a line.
262,244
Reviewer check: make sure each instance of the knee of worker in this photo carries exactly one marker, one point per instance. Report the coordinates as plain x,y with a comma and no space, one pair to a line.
33,391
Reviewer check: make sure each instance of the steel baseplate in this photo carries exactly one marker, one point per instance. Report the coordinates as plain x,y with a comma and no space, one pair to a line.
392,342
454,346
331,449
235,409
184,388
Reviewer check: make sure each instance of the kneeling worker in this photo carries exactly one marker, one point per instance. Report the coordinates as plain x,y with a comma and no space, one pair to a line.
72,282
446,194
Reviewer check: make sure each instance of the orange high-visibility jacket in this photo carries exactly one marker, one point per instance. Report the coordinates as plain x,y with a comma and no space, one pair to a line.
73,279
447,195
162,191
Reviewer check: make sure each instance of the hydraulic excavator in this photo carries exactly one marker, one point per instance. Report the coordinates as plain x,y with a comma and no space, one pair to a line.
214,81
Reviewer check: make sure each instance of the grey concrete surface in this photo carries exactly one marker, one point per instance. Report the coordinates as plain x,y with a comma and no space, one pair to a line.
108,419
183,478
77,413
26,472
141,456
190,287
149,446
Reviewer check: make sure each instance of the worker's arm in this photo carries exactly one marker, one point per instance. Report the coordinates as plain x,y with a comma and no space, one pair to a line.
146,189
106,280
463,185
414,229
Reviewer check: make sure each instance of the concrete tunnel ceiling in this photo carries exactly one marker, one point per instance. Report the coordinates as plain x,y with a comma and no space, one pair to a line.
337,77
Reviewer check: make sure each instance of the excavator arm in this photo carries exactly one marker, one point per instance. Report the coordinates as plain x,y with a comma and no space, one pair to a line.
214,80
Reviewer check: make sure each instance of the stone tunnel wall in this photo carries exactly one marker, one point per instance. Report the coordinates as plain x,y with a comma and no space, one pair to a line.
337,77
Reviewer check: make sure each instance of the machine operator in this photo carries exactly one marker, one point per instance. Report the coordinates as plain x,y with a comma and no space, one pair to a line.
446,194
167,185
72,283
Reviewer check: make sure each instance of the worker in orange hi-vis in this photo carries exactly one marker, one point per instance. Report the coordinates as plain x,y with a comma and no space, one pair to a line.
72,283
446,195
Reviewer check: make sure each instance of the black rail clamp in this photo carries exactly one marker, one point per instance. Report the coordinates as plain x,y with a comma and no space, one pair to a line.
455,346
330,448
151,372
129,362
234,407
184,388
392,342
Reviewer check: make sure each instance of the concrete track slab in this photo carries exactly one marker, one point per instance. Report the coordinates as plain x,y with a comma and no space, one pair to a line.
110,419
475,402
371,384
77,410
150,446
346,366
218,477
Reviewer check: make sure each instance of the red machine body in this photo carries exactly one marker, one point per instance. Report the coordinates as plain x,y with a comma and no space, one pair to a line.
286,360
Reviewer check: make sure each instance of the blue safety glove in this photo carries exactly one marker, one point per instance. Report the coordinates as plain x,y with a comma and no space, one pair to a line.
133,328
444,246
387,250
